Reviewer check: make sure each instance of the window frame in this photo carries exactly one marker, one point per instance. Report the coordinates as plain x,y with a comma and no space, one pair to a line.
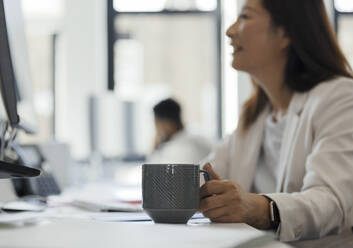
338,15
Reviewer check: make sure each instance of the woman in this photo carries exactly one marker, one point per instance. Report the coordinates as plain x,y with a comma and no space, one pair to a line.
293,148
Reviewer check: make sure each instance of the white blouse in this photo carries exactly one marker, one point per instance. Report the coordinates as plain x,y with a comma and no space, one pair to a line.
265,178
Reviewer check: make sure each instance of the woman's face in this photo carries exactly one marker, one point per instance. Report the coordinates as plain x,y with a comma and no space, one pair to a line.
257,44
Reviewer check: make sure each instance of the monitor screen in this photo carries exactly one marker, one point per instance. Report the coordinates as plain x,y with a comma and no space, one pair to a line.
15,66
7,77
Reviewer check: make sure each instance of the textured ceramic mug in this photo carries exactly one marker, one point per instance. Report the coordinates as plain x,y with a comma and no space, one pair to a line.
171,191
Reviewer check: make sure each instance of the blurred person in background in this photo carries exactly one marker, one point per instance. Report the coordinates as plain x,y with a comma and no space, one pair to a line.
173,143
288,167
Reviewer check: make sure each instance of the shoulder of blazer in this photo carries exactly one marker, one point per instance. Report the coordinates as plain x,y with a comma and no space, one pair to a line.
330,91
330,100
338,85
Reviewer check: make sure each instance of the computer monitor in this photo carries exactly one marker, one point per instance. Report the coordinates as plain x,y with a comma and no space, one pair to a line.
20,61
16,84
7,76
9,94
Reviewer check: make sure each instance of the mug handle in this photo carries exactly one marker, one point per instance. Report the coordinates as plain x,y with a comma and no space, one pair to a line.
206,175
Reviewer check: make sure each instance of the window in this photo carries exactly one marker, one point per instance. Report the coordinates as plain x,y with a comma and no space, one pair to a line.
344,23
41,21
160,5
39,9
230,98
167,49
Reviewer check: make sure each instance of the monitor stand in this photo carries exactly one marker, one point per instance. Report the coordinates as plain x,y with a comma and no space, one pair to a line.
12,170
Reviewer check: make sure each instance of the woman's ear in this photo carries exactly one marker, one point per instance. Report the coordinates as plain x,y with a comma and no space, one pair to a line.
283,37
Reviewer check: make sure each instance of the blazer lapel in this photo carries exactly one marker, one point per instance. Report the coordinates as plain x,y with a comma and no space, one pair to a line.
293,114
249,151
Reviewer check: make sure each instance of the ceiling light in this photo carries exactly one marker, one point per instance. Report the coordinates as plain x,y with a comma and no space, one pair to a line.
139,5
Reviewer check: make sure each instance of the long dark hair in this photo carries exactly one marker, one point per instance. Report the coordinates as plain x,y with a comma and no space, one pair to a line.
314,55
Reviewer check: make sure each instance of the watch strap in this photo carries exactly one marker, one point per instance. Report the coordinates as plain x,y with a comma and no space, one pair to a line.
275,219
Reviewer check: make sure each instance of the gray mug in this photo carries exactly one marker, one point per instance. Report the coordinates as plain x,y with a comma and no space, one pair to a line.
170,192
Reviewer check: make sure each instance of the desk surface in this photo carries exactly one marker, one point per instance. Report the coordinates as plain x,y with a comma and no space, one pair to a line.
84,233
67,227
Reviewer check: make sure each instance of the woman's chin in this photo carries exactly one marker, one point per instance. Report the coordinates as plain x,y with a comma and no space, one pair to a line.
238,66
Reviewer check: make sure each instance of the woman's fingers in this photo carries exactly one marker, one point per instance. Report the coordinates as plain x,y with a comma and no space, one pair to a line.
211,188
224,219
214,187
216,213
208,167
213,202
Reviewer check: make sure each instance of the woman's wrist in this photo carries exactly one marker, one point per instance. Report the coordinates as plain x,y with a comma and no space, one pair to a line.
259,215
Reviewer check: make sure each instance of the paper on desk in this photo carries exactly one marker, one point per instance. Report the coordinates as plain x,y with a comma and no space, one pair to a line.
130,217
121,217
20,218
106,206
32,217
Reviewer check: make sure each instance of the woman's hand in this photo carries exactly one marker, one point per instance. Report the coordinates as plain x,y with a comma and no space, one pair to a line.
227,202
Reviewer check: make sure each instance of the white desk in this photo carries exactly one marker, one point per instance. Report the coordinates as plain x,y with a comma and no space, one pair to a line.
84,233
68,227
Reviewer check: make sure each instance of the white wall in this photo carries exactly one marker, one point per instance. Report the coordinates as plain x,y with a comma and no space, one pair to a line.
244,84
230,100
82,70
236,86
330,10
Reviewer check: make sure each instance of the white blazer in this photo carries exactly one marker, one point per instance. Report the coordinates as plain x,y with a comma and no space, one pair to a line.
314,189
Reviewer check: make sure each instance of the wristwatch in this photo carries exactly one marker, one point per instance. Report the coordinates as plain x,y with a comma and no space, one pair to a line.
275,219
